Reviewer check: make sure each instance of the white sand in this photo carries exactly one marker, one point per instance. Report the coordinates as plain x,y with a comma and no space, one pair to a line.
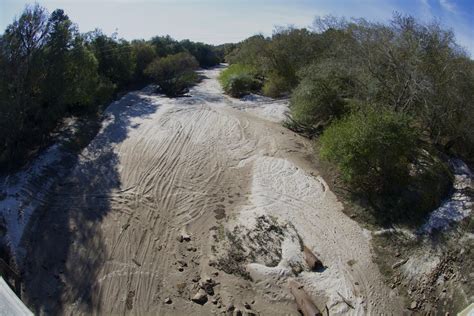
162,166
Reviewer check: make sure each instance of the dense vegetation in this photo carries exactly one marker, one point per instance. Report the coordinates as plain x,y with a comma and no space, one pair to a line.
390,100
174,74
239,80
50,71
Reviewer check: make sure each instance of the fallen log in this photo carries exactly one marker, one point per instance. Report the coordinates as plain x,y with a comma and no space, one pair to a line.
303,301
313,262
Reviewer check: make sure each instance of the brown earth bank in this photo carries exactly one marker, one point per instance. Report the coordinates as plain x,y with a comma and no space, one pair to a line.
198,205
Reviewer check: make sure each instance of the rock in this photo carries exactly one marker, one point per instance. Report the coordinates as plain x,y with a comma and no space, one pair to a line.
168,301
200,297
212,263
215,301
208,286
238,312
413,305
230,307
186,237
247,305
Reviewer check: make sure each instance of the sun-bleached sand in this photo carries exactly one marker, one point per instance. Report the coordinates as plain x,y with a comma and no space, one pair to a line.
143,219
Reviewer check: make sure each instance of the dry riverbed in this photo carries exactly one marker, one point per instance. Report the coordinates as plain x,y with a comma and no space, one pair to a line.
197,205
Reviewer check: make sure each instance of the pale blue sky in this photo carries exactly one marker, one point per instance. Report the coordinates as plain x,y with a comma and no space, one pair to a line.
220,21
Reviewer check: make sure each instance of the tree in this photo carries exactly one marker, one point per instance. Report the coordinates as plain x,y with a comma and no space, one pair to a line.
115,57
144,53
166,45
204,54
22,76
321,96
239,80
173,74
372,149
56,53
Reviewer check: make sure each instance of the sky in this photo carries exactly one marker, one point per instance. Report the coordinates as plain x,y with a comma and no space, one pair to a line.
222,21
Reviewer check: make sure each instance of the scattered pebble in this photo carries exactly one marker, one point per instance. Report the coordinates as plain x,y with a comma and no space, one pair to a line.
168,301
230,307
200,297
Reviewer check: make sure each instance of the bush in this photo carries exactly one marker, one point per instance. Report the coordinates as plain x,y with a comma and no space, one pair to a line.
372,150
318,99
238,80
275,86
173,74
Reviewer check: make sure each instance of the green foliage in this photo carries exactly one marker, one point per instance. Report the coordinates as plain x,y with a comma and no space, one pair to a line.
274,86
372,149
239,80
251,52
115,57
321,96
205,54
144,53
50,71
279,58
173,74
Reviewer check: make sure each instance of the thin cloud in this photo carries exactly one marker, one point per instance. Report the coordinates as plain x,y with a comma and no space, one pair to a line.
425,10
445,4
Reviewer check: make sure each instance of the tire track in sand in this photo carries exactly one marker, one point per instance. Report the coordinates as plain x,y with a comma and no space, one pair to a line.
160,167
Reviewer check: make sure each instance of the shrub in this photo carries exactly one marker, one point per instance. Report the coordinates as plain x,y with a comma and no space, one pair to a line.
318,100
372,150
275,86
173,74
238,80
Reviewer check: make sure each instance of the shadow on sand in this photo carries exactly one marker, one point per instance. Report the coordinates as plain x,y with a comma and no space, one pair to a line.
64,244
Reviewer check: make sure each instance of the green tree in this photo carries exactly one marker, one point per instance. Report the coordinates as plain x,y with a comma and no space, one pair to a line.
144,53
173,74
239,80
205,54
372,149
22,76
115,57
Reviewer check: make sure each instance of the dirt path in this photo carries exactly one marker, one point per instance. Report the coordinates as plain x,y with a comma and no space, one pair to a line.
223,173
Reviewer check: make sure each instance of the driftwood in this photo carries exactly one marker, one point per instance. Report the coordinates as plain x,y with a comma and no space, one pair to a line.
313,262
346,301
303,301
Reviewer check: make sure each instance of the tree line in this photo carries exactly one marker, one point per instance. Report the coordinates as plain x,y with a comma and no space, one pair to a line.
385,102
49,71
